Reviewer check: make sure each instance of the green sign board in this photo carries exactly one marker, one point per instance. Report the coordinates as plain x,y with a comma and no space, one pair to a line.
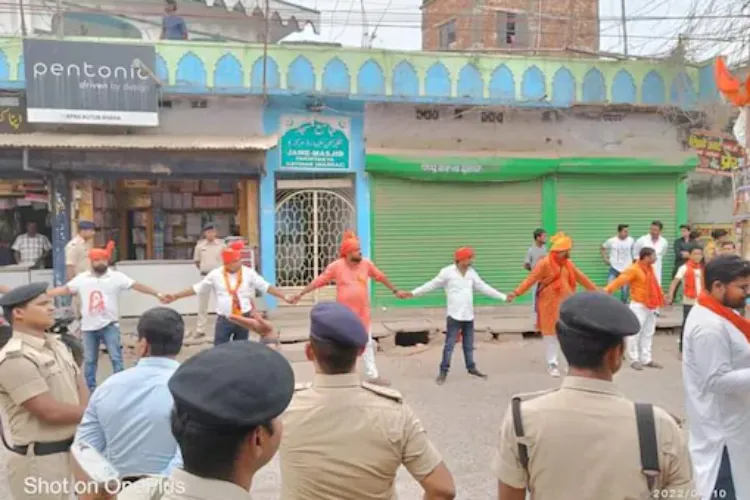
315,143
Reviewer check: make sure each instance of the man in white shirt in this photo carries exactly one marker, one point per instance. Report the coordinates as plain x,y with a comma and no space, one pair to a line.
716,374
99,293
31,248
459,281
617,253
654,240
235,285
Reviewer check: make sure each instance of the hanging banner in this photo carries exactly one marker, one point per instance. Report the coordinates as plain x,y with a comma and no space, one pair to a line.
718,153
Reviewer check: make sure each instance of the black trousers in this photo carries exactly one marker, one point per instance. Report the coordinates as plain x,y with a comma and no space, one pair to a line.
685,311
724,488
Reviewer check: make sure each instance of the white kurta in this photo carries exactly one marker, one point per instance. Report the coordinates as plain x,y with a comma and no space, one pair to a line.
660,247
716,374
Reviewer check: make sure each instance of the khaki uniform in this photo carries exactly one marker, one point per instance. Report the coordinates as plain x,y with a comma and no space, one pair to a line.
182,485
345,439
77,256
207,256
583,445
30,366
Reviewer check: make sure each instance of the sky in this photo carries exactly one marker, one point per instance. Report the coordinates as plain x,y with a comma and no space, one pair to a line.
396,24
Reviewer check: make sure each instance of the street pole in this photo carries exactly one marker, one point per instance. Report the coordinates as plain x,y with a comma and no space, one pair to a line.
60,22
624,28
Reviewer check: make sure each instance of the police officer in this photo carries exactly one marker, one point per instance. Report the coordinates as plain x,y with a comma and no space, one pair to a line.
586,441
227,400
346,439
42,394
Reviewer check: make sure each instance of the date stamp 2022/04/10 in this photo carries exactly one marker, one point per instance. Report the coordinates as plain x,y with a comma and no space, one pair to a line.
686,494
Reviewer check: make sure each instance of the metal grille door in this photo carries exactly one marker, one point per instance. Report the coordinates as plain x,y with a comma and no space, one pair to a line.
310,224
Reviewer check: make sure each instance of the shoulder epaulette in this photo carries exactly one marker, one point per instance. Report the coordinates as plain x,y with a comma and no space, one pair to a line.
525,396
302,386
385,392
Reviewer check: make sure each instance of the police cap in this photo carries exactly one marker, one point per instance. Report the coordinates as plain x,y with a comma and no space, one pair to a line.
22,295
208,226
335,323
237,384
86,224
597,313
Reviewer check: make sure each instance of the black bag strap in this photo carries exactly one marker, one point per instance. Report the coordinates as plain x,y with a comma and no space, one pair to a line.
523,450
644,415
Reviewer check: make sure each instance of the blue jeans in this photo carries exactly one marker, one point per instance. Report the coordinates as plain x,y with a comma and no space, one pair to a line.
226,331
724,487
624,291
452,330
110,337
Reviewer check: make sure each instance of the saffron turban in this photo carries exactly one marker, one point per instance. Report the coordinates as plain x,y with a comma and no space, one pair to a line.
464,253
348,246
561,243
102,253
350,235
232,253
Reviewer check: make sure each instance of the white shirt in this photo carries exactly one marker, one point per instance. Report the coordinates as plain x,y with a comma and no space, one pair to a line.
100,296
660,247
214,280
459,291
716,374
680,275
31,248
620,252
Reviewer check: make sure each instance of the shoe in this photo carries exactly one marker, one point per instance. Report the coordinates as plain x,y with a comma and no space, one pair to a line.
441,378
636,365
554,371
477,373
653,364
379,381
198,335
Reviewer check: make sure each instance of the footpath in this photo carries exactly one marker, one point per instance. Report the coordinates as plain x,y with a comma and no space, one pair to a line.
491,323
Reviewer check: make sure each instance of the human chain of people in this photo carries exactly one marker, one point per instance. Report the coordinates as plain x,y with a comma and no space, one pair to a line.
204,427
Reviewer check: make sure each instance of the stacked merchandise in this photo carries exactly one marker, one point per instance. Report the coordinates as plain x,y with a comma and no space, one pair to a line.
105,212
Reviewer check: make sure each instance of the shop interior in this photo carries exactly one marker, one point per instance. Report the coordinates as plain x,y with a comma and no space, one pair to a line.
22,201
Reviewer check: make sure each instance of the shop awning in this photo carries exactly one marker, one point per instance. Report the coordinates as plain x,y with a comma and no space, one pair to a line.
431,167
43,140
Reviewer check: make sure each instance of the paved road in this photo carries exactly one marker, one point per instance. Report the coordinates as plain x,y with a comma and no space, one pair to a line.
463,416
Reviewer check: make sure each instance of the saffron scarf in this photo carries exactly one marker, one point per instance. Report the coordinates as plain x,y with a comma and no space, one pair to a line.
691,287
236,304
716,307
556,264
655,298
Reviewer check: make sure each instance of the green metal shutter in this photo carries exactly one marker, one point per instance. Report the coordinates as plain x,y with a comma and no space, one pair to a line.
589,208
416,227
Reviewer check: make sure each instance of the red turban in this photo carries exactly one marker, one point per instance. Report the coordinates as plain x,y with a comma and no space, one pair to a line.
348,246
350,235
233,253
102,253
464,253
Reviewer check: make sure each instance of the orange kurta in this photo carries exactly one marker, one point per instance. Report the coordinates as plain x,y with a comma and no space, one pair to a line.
548,297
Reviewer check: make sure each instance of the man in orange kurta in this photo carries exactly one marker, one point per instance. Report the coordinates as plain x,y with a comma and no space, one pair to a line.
557,277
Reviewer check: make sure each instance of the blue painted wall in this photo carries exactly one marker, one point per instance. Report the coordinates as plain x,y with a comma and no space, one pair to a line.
275,108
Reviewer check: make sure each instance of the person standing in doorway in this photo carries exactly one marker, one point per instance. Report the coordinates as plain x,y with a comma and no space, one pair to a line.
173,26
459,281
99,291
352,274
207,257
655,240
557,277
690,275
534,254
716,374
645,300
235,284
682,247
31,248
617,253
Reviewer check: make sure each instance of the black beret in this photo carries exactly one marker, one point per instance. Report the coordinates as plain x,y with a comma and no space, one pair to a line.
161,321
335,323
23,294
598,313
237,384
85,224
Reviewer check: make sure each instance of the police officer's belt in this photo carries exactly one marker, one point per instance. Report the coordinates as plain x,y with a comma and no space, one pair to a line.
40,449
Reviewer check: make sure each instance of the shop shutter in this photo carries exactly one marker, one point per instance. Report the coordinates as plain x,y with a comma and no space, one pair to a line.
589,208
416,227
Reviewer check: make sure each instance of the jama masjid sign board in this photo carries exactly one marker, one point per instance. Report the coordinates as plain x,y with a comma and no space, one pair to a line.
318,142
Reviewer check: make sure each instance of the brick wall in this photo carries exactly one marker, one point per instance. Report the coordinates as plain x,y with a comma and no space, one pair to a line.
562,23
